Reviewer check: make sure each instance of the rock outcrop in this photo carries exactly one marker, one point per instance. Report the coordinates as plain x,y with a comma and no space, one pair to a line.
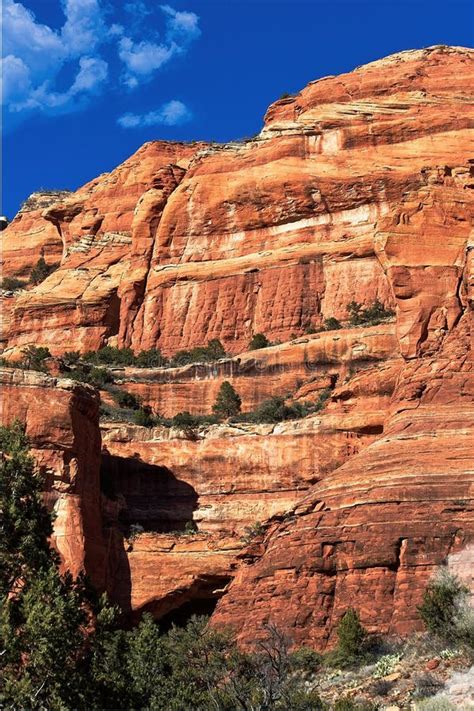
302,367
61,419
359,188
222,483
30,236
183,243
373,532
78,306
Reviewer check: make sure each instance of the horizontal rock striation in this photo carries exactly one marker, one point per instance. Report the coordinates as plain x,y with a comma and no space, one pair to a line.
372,533
273,235
358,188
78,306
30,236
222,481
301,368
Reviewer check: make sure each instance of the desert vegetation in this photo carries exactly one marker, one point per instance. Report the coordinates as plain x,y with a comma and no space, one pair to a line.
153,358
41,271
47,615
12,283
33,358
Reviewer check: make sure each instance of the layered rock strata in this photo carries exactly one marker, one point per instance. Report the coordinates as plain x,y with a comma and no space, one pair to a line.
30,236
224,482
357,188
372,533
272,235
301,368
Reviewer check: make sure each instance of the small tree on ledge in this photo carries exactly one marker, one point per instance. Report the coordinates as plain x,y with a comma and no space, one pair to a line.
227,402
259,340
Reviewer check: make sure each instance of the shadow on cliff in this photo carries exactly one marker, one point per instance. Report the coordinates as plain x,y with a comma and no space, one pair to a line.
147,495
138,497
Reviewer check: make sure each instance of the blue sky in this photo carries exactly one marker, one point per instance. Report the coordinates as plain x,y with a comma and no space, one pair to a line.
86,82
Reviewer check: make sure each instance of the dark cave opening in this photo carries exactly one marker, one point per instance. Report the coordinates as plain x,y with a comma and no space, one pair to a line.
149,496
181,615
112,314
199,599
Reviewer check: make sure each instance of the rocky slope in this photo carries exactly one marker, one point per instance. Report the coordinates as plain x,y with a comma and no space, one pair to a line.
302,367
372,533
269,235
357,188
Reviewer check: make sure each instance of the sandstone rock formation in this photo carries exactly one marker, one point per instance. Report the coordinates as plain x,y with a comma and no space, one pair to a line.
357,188
372,533
269,235
223,481
30,236
78,305
302,367
61,419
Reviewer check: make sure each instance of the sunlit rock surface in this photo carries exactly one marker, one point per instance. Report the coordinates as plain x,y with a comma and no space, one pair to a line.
357,188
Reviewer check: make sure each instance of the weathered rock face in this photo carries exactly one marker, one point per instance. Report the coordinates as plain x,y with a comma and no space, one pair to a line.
372,533
222,482
78,306
30,236
302,367
358,188
180,245
61,419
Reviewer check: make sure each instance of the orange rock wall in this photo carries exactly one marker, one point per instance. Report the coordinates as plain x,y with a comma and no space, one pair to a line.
357,188
30,236
184,243
61,419
373,532
225,481
301,368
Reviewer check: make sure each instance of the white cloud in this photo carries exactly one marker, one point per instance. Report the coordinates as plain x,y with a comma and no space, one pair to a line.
137,8
92,73
36,45
37,57
14,78
170,114
143,58
116,30
182,27
35,54
84,28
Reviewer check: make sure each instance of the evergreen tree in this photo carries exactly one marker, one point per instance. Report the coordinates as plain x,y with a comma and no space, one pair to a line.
42,614
41,270
34,358
215,349
259,340
227,402
350,634
25,525
59,651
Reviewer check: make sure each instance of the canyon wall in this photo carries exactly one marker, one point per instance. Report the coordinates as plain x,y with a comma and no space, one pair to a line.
302,368
184,243
30,236
357,188
62,423
372,532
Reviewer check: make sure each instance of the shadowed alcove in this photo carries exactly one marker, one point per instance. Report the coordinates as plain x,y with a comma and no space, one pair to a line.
151,496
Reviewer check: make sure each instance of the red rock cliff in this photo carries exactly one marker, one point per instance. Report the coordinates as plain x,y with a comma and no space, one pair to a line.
184,243
357,188
372,533
61,419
